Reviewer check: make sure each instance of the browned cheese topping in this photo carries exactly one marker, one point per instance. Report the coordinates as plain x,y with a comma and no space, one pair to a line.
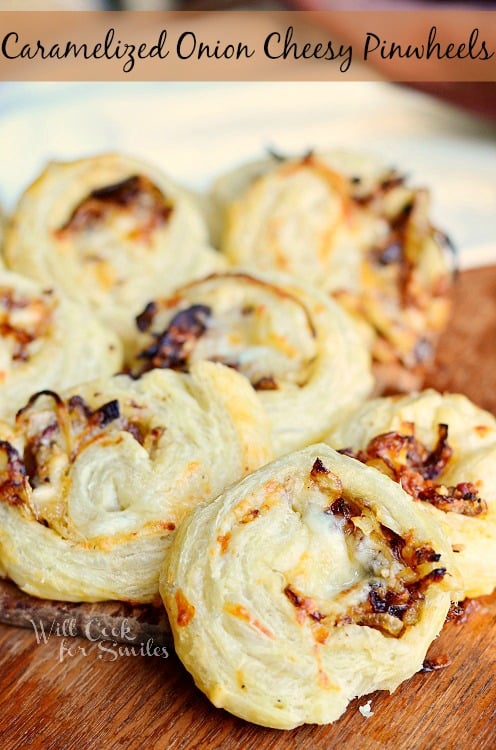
172,347
267,383
137,195
392,603
23,321
410,463
185,610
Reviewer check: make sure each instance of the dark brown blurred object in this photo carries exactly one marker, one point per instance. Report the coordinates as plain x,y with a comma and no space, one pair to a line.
479,98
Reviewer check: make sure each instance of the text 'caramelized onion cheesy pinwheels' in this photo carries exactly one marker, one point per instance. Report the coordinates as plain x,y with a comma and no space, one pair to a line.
442,450
93,483
111,232
47,341
354,228
318,573
299,350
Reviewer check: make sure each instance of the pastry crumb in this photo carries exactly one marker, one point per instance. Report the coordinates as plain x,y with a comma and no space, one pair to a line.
365,710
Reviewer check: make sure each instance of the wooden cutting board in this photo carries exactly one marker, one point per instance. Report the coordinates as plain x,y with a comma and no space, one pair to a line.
60,692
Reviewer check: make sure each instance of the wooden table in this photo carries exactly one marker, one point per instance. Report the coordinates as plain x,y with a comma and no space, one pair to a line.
72,694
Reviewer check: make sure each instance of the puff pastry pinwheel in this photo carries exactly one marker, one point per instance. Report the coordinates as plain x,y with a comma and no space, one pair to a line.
47,341
94,483
347,224
299,350
112,232
314,580
442,450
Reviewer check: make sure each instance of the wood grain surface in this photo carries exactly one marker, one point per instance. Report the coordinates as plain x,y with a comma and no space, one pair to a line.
59,692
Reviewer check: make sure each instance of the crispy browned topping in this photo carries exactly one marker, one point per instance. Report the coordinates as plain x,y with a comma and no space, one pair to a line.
391,607
389,610
136,194
462,498
396,543
267,383
459,612
13,478
436,663
250,515
404,551
78,403
390,181
20,332
106,413
345,509
173,347
72,428
136,430
456,612
306,605
318,468
328,482
224,540
145,319
185,610
410,463
391,248
392,603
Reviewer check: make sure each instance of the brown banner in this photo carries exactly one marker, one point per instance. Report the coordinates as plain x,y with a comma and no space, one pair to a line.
248,45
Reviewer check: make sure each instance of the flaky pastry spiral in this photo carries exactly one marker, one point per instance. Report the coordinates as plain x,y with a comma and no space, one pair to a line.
299,350
355,229
93,483
442,450
47,341
111,231
313,580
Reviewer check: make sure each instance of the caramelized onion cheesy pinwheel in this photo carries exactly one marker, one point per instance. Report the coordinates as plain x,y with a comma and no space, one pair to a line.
47,341
354,228
111,232
301,353
94,483
442,450
310,582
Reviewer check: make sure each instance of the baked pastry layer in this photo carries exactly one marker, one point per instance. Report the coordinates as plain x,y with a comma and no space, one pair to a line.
314,580
442,449
354,228
47,341
111,231
299,350
93,483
